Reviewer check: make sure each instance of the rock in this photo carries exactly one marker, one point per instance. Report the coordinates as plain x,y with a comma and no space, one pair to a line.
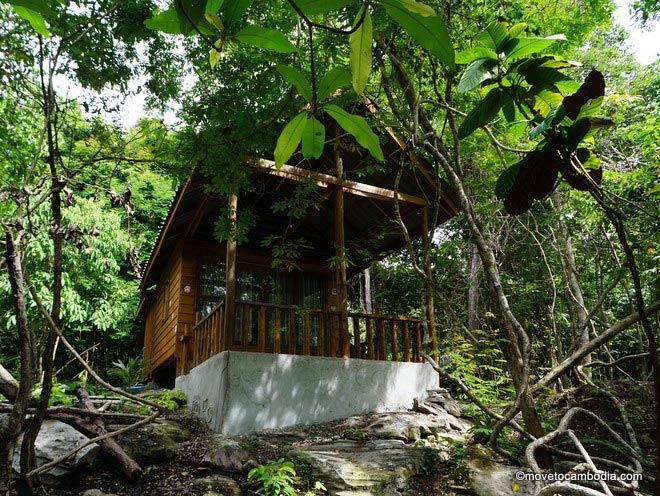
218,485
411,426
487,475
228,456
154,443
96,492
352,468
54,440
442,398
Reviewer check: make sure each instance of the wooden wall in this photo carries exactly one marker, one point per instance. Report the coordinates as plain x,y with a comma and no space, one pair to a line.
162,319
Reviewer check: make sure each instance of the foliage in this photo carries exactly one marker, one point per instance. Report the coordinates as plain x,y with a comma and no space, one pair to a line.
58,395
171,399
356,434
275,478
129,373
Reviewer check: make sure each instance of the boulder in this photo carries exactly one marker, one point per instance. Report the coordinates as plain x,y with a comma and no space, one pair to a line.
54,440
155,443
96,492
216,485
442,398
228,456
487,475
411,426
351,468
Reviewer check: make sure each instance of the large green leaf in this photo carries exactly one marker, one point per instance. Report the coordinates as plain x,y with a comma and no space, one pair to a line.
313,138
313,7
296,78
167,22
485,110
418,7
360,42
516,48
232,10
472,54
39,6
546,96
34,18
290,138
357,127
493,36
190,12
475,73
429,31
213,5
261,37
337,77
506,180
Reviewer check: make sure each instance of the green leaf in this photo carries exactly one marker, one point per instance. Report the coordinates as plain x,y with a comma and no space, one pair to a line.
214,20
358,128
190,13
493,36
517,29
485,110
167,22
337,77
313,7
554,116
215,53
517,48
546,96
475,73
313,138
34,18
232,10
360,42
418,7
429,31
296,78
38,6
213,5
268,39
472,54
289,139
506,180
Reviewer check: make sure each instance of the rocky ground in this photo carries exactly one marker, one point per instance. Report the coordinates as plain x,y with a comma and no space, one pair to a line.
425,451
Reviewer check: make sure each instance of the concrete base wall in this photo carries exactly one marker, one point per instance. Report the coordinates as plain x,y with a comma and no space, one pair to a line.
239,392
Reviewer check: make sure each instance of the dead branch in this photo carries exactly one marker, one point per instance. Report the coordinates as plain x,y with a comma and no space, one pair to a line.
8,385
53,412
101,438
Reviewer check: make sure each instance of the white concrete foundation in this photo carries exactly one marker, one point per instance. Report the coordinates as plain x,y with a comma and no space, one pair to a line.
240,392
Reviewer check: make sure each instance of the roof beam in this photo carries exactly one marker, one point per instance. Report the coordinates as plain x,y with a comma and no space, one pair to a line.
325,180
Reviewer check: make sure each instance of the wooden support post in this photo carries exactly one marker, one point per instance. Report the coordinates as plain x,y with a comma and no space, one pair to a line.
245,327
429,306
306,334
382,340
230,303
340,270
320,351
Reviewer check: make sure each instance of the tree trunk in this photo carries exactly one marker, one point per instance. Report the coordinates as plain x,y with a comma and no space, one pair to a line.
8,385
473,291
572,283
11,428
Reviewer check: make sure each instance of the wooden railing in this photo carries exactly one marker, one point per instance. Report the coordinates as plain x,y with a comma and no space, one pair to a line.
273,328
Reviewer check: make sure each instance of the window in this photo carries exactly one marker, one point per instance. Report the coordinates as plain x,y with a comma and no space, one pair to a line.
212,288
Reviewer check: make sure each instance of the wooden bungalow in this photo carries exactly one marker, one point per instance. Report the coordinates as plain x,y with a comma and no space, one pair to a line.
201,297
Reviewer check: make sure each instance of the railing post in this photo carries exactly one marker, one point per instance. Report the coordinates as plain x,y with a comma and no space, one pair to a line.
406,342
320,349
356,337
395,340
306,334
277,331
261,336
370,338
